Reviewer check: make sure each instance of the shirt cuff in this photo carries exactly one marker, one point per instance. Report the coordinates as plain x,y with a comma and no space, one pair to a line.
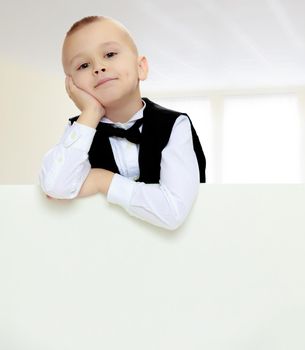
80,136
120,191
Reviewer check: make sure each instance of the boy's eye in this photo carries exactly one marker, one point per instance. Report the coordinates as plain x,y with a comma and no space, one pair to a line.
82,66
110,54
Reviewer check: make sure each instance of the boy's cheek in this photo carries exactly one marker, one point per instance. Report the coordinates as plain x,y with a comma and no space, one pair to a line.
81,84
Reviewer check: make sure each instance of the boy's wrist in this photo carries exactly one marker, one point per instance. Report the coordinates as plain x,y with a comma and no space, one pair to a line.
104,178
90,118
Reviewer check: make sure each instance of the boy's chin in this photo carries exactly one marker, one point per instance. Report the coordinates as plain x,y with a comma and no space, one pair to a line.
108,102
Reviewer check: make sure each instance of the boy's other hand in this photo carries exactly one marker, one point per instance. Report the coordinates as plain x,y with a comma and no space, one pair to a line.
82,99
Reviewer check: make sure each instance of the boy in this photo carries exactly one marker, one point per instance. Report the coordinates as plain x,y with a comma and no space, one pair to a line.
154,170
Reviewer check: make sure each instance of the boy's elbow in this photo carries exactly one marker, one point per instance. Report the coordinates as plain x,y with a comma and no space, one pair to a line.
59,192
57,189
173,226
177,223
179,211
176,220
179,206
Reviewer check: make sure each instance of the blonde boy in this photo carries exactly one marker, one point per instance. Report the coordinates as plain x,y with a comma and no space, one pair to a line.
157,181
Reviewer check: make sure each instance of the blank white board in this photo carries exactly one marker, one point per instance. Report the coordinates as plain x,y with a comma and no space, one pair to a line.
83,274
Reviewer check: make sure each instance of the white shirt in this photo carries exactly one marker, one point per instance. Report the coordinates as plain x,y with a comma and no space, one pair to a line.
65,168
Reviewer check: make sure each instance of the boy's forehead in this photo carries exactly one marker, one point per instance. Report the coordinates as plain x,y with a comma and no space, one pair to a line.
98,34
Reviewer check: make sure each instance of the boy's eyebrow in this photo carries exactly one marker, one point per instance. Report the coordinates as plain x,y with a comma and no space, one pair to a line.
107,43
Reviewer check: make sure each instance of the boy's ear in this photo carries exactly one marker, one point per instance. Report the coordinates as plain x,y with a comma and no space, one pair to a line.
142,67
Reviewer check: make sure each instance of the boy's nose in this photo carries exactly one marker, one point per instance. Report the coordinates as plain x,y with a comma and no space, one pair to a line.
103,70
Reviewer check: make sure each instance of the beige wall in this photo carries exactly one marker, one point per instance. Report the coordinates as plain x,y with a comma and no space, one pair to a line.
34,108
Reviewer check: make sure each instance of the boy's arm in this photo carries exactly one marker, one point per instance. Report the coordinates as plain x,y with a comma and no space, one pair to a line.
66,172
66,166
165,204
168,203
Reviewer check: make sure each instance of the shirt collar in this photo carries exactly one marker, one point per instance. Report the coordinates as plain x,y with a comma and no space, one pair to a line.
130,122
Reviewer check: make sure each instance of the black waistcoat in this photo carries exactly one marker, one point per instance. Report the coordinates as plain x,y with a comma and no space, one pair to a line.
156,130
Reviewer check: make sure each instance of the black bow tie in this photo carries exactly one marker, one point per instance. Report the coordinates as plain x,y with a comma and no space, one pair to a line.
132,134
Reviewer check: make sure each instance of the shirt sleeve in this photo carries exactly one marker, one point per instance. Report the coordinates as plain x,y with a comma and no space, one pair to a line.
66,165
168,203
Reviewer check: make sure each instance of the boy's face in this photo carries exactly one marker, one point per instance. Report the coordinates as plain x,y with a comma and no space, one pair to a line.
103,50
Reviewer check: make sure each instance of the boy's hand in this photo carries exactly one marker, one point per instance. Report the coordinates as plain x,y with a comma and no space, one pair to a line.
82,99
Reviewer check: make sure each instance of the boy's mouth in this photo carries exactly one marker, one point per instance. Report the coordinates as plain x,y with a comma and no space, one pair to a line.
103,81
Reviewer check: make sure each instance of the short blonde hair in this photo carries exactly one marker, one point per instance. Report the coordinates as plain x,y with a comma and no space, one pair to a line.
91,19
83,22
